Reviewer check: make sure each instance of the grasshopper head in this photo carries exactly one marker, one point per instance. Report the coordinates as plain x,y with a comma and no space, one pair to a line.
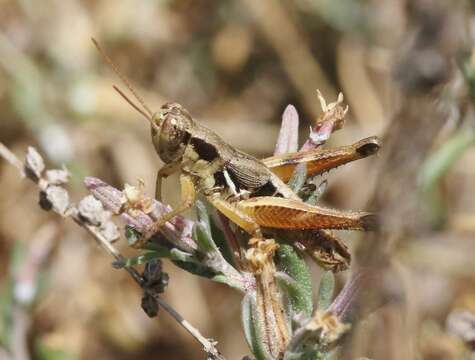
171,131
170,126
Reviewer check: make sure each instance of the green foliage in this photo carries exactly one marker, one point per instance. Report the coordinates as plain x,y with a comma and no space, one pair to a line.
131,235
298,177
325,290
300,290
468,69
202,236
147,256
221,242
252,328
45,352
437,166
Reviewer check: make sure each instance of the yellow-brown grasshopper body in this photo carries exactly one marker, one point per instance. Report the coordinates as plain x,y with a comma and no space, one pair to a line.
249,192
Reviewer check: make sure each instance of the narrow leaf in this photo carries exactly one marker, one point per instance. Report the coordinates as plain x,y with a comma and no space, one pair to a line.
178,255
437,165
298,177
294,265
325,290
252,329
319,191
294,293
203,216
146,257
203,238
220,239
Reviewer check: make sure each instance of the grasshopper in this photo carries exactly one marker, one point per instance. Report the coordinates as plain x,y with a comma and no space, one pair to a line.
251,193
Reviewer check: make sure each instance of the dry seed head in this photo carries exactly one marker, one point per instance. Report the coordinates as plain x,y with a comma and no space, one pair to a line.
135,199
333,113
327,107
329,325
260,255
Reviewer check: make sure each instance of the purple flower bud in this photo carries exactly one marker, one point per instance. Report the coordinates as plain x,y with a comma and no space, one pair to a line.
110,197
353,295
289,132
318,135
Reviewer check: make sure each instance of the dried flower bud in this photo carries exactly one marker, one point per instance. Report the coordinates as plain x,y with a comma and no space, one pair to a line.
154,277
135,198
58,176
34,164
331,106
110,231
59,199
110,197
132,193
149,305
261,254
140,221
332,119
462,324
92,211
328,326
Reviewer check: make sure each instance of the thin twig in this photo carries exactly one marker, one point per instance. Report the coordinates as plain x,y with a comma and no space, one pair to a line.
208,345
11,158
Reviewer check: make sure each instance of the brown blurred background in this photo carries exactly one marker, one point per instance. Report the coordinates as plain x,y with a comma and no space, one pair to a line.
404,68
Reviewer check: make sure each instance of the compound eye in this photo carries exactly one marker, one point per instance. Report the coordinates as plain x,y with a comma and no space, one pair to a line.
173,138
157,120
176,133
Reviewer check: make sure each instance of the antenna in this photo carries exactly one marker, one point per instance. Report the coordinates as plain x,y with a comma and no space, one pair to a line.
148,113
131,103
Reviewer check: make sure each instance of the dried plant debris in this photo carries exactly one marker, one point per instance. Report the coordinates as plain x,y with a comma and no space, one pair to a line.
155,280
332,119
34,164
462,324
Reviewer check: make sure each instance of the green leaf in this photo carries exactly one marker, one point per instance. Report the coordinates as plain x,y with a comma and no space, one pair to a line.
300,296
325,290
437,166
178,255
319,191
131,235
293,291
202,236
147,256
298,177
203,216
252,328
221,242
195,268
310,355
45,352
191,264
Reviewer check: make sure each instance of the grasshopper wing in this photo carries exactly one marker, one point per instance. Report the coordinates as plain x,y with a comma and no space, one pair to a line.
321,160
281,213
